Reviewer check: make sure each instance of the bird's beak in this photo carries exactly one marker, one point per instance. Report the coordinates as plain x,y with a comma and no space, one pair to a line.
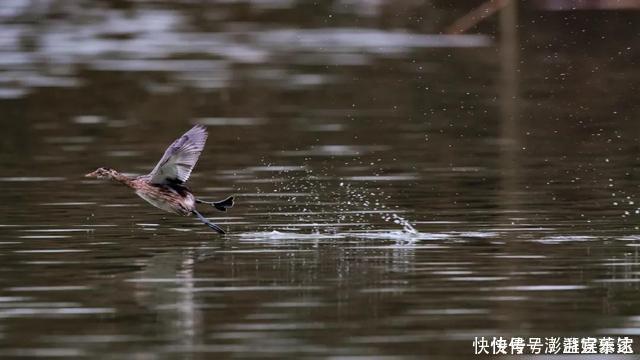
91,175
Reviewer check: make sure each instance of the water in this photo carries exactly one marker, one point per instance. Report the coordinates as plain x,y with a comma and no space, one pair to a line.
394,199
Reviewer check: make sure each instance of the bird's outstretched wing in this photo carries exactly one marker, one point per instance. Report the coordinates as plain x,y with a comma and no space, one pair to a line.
180,158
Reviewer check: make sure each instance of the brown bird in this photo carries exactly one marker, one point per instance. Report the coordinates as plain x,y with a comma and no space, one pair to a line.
164,187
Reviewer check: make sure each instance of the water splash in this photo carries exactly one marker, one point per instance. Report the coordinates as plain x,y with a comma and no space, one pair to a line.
315,197
397,219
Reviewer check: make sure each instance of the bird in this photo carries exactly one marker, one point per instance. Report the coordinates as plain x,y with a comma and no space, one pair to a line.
164,187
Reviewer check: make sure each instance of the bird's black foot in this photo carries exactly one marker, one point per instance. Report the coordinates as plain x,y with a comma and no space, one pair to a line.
220,205
209,223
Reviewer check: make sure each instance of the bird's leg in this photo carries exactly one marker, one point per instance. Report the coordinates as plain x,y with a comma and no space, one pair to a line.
222,205
208,223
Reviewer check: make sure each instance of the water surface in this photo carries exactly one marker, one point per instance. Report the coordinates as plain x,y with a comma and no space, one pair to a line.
398,193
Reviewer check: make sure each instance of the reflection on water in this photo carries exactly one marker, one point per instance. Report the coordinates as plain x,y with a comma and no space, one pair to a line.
399,192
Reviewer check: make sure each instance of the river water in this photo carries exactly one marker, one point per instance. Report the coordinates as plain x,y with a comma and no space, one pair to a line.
398,194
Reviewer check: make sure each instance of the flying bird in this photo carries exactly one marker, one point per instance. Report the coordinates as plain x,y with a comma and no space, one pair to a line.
164,187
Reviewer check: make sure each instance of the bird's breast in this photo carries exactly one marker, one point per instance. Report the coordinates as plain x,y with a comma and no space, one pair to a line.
168,200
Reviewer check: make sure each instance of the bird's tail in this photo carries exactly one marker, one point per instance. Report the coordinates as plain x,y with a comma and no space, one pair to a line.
224,204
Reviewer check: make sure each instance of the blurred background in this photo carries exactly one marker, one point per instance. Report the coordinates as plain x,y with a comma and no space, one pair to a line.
409,174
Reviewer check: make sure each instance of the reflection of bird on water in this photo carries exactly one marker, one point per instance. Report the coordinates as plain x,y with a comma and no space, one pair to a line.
164,186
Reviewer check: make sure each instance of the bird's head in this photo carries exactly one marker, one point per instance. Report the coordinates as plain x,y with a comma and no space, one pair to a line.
102,173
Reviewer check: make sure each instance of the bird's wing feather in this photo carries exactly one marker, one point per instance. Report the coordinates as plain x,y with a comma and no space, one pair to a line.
180,158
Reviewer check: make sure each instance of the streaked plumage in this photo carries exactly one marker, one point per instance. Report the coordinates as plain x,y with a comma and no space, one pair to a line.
164,186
